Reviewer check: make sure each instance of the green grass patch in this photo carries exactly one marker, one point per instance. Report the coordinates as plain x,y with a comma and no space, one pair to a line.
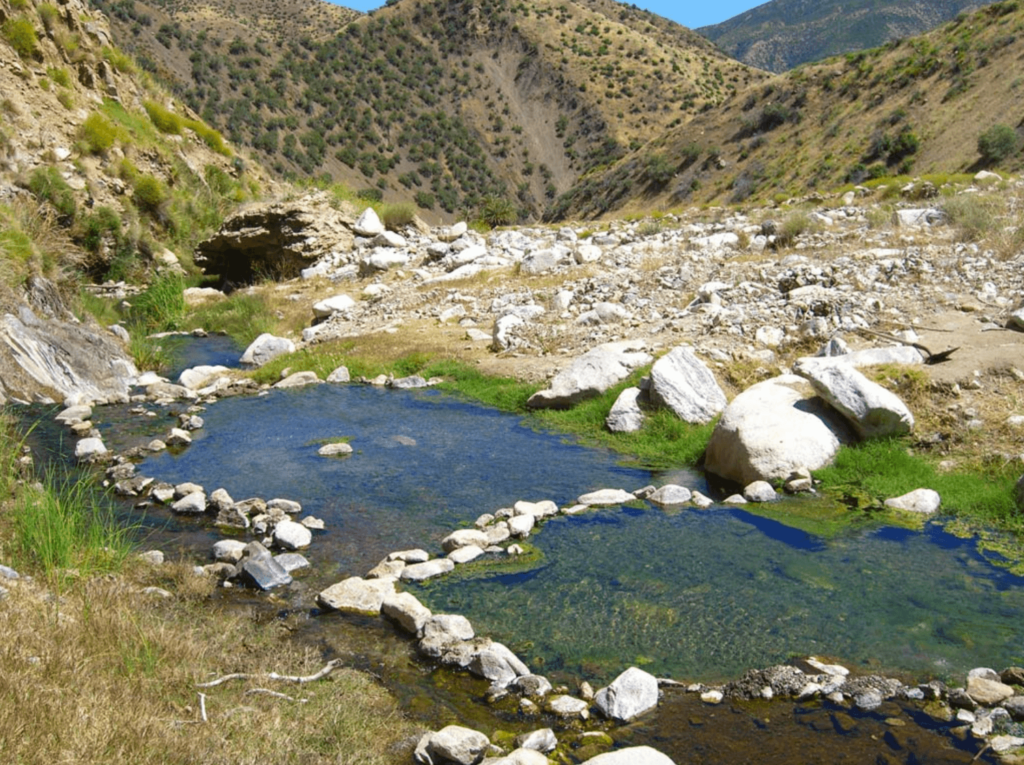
161,308
48,184
98,133
21,35
164,119
64,526
870,473
243,317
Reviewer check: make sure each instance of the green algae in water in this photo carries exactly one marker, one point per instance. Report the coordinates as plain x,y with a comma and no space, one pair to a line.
707,595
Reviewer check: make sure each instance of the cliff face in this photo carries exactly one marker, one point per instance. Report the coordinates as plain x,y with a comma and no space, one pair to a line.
46,355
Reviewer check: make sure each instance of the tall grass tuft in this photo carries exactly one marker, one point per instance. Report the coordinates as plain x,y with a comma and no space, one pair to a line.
243,317
61,526
161,308
973,215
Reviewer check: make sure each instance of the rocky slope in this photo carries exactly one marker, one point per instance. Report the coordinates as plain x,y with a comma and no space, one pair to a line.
897,110
445,103
783,34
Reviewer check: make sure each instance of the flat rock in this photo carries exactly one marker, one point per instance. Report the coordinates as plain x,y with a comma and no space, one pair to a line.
924,501
671,494
626,416
683,383
591,375
772,429
228,550
759,491
463,538
541,509
292,562
198,377
89,449
419,572
264,572
871,409
191,504
339,375
606,497
335,450
357,595
568,706
298,380
629,695
326,308
465,554
988,692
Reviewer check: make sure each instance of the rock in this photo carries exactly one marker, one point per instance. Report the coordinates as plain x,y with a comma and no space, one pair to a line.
502,335
634,755
497,664
298,380
987,692
324,309
568,706
537,686
198,377
228,550
198,295
463,538
918,217
413,382
924,501
165,391
368,224
701,501
287,506
89,449
537,509
681,382
452,745
606,497
773,428
291,535
671,494
193,503
625,415
420,572
448,627
264,349
178,437
871,409
73,414
47,352
410,556
465,554
339,375
291,562
629,695
407,611
6,572
604,313
520,526
335,450
313,523
759,491
868,700
591,375
152,557
1015,706
542,740
1012,676
357,595
264,572
277,238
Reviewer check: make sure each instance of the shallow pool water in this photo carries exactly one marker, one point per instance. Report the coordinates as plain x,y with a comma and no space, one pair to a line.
698,595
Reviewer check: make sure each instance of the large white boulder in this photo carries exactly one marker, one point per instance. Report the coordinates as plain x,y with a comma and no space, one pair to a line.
626,416
924,501
682,382
368,224
871,409
291,535
591,375
327,307
453,744
773,428
634,755
264,349
357,595
630,695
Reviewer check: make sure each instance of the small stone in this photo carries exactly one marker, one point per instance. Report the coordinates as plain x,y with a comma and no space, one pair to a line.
152,557
760,491
335,450
925,501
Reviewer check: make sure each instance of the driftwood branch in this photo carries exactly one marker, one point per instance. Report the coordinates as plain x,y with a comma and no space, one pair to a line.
275,694
930,358
332,665
202,707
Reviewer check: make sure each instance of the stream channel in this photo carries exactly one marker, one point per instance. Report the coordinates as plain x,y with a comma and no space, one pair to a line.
697,595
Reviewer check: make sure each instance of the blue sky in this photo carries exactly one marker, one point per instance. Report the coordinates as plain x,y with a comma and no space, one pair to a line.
690,14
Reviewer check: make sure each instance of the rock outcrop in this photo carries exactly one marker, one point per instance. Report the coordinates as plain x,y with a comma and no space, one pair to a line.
591,375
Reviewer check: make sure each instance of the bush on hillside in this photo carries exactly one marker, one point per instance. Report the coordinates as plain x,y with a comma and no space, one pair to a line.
150,193
396,216
997,143
48,184
98,133
21,34
164,119
498,211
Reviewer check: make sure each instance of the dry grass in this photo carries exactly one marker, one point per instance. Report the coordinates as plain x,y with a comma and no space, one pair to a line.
102,673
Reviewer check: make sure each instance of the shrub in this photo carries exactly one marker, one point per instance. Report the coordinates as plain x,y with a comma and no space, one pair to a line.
973,216
397,215
997,143
59,76
98,133
425,200
122,62
161,307
150,193
659,169
498,211
370,195
99,223
19,32
164,119
49,14
47,183
209,136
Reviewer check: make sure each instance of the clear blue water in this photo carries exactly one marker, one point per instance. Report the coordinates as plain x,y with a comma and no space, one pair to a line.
698,595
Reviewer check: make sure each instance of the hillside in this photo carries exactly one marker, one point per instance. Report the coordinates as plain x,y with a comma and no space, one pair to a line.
447,102
895,110
782,34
